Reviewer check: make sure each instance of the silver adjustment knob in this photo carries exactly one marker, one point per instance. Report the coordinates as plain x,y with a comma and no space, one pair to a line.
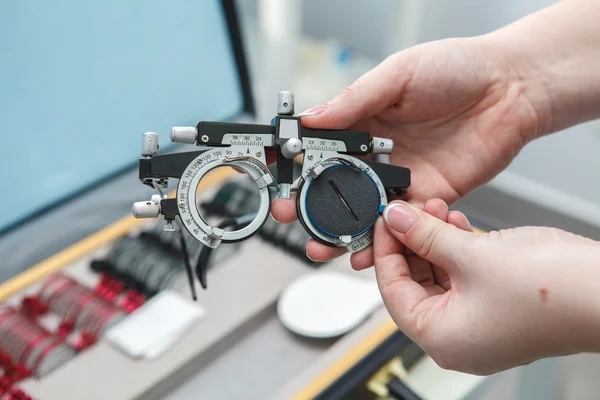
383,158
184,134
145,209
382,148
149,144
285,103
291,148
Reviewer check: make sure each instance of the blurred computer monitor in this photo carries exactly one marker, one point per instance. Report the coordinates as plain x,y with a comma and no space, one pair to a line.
81,81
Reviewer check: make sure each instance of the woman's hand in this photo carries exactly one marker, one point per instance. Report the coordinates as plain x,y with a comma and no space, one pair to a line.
456,110
485,303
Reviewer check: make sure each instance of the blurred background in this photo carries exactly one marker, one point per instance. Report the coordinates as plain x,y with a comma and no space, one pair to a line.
310,47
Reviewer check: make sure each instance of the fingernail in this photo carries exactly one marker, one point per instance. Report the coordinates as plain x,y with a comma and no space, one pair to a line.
313,111
400,217
307,256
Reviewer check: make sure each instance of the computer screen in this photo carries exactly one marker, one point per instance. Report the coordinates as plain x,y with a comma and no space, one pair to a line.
81,81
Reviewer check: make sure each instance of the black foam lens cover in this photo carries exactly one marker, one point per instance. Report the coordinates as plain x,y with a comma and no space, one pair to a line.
342,201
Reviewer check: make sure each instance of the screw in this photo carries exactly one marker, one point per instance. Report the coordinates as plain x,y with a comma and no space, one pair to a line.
204,138
363,147
258,153
310,156
367,169
380,144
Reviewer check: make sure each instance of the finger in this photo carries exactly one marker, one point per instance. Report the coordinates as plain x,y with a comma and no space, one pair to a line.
284,210
432,239
371,93
420,270
459,220
321,253
362,259
439,209
416,204
419,205
436,207
400,293
442,279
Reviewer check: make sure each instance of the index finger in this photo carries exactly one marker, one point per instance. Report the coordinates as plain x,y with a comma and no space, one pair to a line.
371,93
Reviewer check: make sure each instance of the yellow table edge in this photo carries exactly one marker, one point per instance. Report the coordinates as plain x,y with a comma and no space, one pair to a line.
92,242
351,358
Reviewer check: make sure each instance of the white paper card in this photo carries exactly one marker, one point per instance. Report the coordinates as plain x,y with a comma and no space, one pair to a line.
154,327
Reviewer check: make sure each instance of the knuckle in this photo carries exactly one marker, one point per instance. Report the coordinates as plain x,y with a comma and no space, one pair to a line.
393,58
427,241
351,90
350,99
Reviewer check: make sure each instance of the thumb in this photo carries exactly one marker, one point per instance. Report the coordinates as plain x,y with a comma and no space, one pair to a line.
427,236
371,93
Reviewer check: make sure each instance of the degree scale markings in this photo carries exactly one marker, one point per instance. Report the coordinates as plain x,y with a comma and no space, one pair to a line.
363,241
248,158
244,143
186,187
246,140
321,145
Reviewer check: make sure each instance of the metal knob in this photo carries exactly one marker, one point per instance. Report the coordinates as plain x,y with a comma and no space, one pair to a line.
149,144
145,209
184,134
383,158
382,148
285,103
291,148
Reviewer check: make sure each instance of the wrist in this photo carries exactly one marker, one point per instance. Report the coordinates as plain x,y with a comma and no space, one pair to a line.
517,75
553,57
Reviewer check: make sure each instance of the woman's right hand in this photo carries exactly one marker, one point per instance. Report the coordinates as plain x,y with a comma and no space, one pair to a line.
483,303
458,113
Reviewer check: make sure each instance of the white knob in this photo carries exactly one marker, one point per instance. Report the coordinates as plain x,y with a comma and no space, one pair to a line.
149,144
184,134
285,103
291,148
145,209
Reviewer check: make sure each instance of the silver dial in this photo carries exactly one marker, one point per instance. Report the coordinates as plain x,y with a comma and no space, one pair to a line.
242,157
